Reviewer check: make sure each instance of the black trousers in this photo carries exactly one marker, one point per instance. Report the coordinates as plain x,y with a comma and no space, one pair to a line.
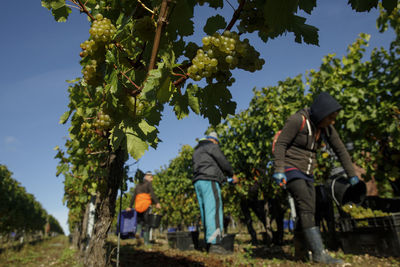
303,193
143,219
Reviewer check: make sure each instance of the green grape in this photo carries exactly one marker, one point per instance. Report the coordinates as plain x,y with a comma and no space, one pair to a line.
200,65
206,40
227,34
197,78
215,41
229,59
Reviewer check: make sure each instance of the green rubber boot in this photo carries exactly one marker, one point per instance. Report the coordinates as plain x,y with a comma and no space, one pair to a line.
146,236
313,237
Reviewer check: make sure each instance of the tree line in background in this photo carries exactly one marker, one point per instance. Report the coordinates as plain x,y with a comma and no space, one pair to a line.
138,58
20,212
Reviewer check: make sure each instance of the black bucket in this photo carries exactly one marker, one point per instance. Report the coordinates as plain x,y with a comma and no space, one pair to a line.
154,220
228,241
343,192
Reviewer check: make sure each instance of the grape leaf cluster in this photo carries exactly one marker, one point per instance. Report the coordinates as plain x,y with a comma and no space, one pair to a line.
221,53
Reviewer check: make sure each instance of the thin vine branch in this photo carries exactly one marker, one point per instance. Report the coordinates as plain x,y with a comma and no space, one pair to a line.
129,79
178,74
160,23
73,6
84,9
230,4
145,7
236,15
162,19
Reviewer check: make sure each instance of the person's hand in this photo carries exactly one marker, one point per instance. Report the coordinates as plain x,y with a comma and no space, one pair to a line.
158,206
128,209
354,180
235,179
280,178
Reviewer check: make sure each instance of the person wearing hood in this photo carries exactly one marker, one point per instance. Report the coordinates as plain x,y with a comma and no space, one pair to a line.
210,169
295,160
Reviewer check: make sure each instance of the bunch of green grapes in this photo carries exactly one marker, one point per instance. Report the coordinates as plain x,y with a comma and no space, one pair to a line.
221,53
136,107
102,29
359,212
103,121
101,34
89,71
88,48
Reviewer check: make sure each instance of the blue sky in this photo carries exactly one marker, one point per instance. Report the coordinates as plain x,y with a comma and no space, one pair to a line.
38,55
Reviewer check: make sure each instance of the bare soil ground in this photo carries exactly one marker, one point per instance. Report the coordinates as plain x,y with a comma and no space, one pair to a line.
57,251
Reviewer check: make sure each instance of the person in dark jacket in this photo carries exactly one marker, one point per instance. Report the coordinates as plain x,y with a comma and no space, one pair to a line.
295,160
143,196
210,169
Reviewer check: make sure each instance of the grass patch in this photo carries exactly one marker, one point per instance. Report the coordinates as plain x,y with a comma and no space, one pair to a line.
54,251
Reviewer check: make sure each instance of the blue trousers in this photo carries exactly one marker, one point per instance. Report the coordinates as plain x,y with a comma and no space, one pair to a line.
210,202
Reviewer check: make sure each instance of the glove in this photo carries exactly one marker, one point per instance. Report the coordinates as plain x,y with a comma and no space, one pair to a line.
280,178
354,180
233,180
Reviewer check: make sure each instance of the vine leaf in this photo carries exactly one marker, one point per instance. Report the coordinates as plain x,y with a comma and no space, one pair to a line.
180,103
307,5
65,116
389,5
117,138
305,32
181,23
214,23
363,5
135,145
216,3
62,168
193,101
58,8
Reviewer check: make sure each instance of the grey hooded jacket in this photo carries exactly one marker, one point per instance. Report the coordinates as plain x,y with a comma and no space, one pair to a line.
298,149
209,163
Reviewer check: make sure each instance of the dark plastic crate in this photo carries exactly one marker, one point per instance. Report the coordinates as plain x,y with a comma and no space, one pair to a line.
383,223
183,240
379,236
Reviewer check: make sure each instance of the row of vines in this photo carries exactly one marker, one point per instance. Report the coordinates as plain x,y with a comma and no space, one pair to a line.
20,212
370,119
